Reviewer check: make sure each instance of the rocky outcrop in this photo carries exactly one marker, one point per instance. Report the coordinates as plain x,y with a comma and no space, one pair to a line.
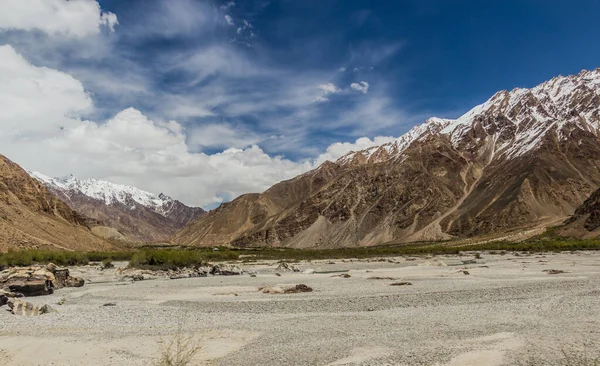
525,157
585,222
38,280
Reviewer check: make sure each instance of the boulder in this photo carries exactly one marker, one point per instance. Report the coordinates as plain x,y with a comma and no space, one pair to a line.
38,280
286,267
226,270
20,307
30,286
285,290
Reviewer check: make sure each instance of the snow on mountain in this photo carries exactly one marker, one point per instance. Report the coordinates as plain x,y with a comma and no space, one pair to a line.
109,193
525,115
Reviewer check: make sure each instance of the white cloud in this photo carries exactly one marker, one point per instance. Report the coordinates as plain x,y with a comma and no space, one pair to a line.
221,135
42,105
342,69
37,100
320,99
329,88
362,87
339,149
229,19
42,132
228,5
70,18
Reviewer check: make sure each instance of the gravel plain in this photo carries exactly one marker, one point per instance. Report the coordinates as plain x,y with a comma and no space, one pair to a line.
506,311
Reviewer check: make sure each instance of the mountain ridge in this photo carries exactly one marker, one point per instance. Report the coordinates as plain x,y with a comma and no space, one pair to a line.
528,155
32,217
137,215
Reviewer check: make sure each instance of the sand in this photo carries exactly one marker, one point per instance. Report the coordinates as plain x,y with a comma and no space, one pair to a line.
504,312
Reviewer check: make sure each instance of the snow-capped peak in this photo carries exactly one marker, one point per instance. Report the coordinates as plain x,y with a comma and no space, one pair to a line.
526,116
109,193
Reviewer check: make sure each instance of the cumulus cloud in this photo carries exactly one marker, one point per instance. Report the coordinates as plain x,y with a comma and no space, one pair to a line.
362,87
339,149
37,100
329,88
229,19
70,18
42,131
342,69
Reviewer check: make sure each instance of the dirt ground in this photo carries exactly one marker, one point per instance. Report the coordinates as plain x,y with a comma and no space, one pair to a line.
506,311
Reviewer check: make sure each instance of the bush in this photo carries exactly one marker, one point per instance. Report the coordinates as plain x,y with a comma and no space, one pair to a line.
179,351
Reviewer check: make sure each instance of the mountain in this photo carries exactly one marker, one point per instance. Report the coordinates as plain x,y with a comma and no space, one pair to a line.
32,217
124,212
524,157
585,222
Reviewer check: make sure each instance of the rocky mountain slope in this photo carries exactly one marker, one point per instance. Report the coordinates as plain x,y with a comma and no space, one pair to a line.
585,222
32,217
524,156
131,213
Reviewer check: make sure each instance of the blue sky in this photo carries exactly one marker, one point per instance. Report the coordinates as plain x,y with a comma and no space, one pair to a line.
429,57
257,91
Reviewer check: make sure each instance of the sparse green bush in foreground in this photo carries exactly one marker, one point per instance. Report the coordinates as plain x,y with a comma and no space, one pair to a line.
179,351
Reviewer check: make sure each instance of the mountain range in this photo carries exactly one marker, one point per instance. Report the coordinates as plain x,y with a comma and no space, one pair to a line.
123,212
525,156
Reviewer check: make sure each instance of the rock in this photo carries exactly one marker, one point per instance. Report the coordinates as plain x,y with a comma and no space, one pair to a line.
286,267
74,282
553,271
137,277
110,304
30,286
382,278
469,261
465,272
278,274
285,290
39,280
401,284
179,276
226,270
308,271
20,307
343,275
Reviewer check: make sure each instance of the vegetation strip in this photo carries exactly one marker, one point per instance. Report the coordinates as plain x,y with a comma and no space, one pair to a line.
177,258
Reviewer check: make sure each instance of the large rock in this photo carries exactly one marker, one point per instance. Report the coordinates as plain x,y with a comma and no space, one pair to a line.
286,267
226,270
20,307
38,280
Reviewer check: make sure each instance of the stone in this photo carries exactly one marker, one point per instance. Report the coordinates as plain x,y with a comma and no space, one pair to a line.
401,284
285,290
20,307
30,286
308,271
286,267
226,270
38,280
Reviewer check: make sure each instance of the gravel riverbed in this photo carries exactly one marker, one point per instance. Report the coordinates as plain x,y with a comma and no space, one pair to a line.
506,311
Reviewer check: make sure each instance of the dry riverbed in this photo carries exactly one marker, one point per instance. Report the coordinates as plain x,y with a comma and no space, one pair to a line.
450,310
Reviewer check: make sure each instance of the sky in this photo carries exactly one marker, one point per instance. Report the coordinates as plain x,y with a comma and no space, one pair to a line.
205,100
